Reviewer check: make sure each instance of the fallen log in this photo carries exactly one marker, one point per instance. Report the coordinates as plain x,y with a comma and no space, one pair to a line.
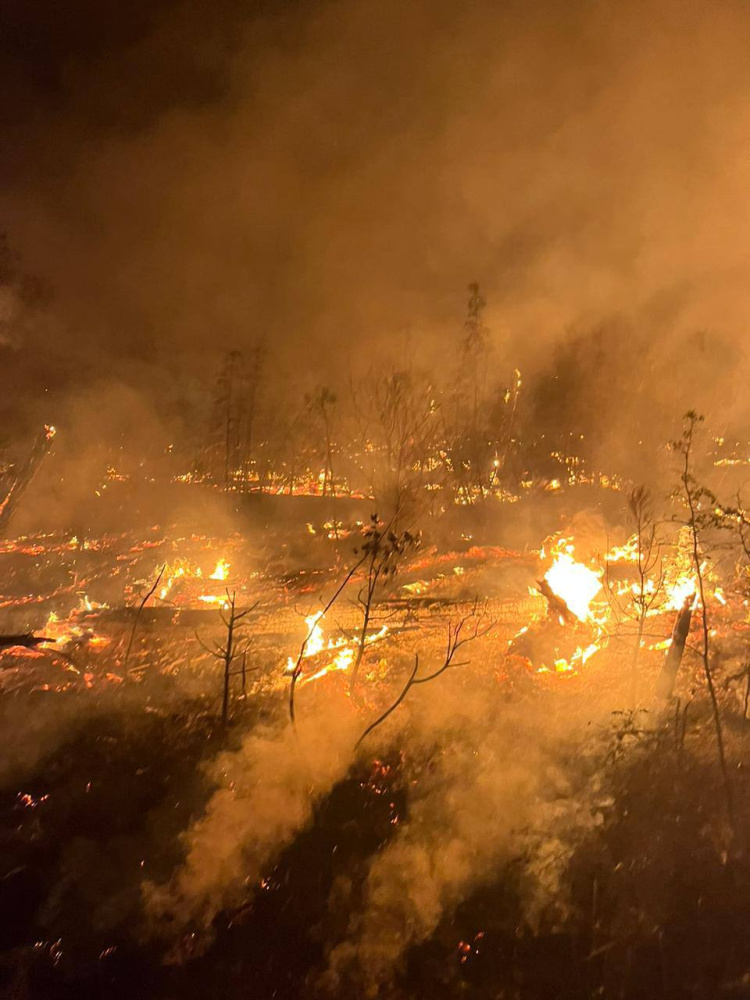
673,659
26,639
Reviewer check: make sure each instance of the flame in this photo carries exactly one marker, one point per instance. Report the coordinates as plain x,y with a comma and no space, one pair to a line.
579,657
86,604
317,644
219,599
679,591
342,662
571,581
66,631
175,572
624,553
679,583
222,570
671,583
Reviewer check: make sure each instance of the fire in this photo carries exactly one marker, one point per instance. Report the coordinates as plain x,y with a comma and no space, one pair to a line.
675,581
680,591
342,662
571,581
579,657
217,599
222,570
669,580
175,572
317,644
65,632
624,553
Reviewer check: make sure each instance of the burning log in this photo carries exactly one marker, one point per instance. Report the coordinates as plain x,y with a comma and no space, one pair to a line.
673,659
557,605
24,475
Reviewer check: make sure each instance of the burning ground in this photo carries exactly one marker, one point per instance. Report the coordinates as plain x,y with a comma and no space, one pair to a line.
500,774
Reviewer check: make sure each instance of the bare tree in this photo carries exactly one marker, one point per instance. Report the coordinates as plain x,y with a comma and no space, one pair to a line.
648,555
467,444
297,668
503,430
234,646
382,548
23,474
323,401
378,554
649,592
700,505
250,414
138,611
457,637
222,454
474,350
396,410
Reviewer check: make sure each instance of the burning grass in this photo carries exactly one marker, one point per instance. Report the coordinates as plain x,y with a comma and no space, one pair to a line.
431,811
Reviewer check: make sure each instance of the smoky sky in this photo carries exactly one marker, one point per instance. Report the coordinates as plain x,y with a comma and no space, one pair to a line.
328,177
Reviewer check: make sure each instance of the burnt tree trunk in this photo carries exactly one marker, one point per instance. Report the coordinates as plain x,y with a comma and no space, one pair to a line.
23,476
673,659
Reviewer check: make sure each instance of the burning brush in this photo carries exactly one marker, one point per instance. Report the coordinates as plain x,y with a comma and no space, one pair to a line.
571,632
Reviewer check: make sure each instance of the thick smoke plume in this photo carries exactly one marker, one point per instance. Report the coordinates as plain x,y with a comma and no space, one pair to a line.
266,793
497,790
487,784
326,177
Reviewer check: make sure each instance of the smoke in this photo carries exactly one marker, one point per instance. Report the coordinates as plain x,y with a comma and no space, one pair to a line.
327,177
492,787
488,781
266,792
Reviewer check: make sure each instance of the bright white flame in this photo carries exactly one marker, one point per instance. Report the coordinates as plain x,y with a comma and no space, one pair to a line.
222,570
679,592
574,583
